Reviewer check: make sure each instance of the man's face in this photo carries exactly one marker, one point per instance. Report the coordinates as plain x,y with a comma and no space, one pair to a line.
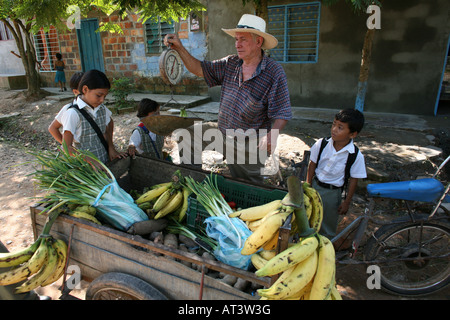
247,45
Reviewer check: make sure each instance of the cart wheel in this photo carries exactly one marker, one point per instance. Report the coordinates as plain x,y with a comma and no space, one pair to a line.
414,242
121,286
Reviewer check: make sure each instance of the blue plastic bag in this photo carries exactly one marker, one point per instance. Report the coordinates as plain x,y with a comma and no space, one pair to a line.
231,240
117,207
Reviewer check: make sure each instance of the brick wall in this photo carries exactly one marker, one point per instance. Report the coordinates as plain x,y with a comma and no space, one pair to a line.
124,56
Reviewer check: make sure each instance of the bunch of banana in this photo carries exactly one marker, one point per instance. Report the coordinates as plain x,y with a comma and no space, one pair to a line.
164,199
84,212
313,205
306,269
40,264
262,218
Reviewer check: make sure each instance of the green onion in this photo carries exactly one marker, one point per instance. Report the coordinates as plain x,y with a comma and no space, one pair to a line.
70,178
209,196
201,240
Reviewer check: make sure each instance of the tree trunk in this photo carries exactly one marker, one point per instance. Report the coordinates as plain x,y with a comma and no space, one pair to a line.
262,11
364,69
24,41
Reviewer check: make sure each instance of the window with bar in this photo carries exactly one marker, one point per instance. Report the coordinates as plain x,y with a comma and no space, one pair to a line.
296,27
155,32
47,46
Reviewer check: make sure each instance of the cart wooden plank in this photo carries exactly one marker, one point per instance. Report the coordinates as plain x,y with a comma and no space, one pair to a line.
98,249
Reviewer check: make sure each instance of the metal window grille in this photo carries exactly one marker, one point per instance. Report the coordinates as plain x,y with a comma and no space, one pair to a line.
47,46
5,33
297,29
155,33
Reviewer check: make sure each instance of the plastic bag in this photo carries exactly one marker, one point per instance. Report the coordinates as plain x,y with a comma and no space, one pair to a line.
117,207
230,243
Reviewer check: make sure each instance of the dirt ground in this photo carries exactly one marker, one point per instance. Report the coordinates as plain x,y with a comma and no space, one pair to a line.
25,131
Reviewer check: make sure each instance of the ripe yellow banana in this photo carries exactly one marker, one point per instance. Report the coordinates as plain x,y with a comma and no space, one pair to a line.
33,265
257,212
175,201
289,257
12,259
308,206
154,193
267,254
335,295
315,220
300,276
88,209
162,200
258,261
324,279
303,294
264,233
253,225
61,249
272,243
46,271
84,215
184,206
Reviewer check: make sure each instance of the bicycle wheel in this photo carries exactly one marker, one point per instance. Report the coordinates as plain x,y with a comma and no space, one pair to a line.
413,242
121,286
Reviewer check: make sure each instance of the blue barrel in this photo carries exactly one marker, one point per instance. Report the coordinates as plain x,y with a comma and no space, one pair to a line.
425,190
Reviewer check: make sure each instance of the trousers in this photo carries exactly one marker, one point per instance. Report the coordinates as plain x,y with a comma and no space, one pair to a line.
331,200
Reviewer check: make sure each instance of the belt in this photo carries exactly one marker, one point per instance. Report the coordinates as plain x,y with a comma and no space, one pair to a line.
326,185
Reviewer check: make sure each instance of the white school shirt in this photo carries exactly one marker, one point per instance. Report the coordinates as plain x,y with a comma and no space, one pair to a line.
331,167
71,118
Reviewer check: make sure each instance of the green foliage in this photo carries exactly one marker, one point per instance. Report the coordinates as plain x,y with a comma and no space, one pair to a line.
120,90
166,10
358,6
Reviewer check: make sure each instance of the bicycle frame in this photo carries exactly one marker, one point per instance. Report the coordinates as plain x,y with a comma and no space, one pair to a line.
363,220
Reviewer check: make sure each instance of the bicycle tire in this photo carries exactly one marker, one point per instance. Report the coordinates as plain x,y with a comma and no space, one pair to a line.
399,240
121,286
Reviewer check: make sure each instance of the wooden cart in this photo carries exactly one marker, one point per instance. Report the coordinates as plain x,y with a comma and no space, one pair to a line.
120,265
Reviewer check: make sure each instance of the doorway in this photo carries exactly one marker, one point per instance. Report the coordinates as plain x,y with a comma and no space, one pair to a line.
90,46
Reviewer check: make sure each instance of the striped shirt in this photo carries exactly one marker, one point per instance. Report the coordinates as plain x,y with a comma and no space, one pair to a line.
250,104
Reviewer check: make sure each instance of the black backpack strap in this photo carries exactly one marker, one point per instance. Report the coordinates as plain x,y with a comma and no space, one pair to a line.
350,161
94,125
322,146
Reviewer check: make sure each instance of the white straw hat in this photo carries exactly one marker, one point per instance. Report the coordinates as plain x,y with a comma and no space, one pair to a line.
256,25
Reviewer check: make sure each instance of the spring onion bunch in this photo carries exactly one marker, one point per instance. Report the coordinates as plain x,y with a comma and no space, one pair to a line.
202,240
229,232
72,179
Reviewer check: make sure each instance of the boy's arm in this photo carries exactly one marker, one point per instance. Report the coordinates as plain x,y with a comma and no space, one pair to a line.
352,184
311,170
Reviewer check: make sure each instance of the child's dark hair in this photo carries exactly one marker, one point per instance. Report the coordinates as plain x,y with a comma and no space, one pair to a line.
94,79
354,118
75,80
58,56
146,106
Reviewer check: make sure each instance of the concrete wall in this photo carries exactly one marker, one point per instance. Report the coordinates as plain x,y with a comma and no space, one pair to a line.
407,56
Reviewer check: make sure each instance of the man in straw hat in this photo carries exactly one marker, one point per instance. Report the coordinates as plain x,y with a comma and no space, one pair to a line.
254,92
